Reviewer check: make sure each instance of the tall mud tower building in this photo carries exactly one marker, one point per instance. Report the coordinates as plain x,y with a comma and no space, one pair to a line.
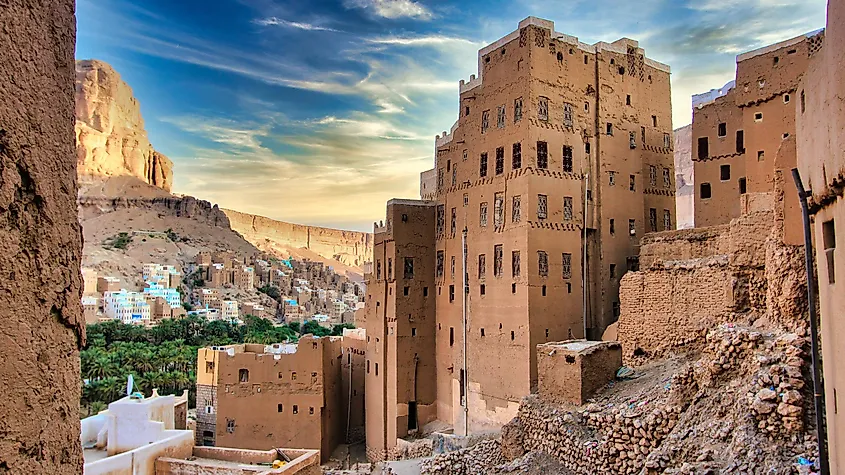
553,136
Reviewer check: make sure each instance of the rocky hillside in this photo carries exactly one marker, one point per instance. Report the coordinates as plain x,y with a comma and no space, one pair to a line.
351,248
121,174
110,135
111,206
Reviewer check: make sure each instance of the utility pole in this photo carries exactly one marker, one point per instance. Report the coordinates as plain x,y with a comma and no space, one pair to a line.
465,292
818,389
584,255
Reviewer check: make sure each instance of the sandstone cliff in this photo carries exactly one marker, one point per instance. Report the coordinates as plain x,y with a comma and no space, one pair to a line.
351,248
110,135
684,178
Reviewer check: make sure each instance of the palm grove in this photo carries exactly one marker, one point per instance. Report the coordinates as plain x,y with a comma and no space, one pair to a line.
164,356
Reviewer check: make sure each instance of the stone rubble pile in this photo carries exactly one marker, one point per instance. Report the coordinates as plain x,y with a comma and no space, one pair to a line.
775,396
595,439
405,450
476,460
738,406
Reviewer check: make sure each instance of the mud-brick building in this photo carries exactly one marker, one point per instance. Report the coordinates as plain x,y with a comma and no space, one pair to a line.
744,135
561,155
263,396
820,120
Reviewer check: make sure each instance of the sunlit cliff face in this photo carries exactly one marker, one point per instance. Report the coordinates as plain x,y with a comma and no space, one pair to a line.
318,112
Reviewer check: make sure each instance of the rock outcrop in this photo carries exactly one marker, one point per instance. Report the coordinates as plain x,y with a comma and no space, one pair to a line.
684,178
352,248
110,135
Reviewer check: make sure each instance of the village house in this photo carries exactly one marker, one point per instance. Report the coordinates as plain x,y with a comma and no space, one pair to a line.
561,151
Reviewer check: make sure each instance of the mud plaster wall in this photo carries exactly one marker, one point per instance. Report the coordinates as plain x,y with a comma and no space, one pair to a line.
695,279
571,377
40,240
821,159
513,313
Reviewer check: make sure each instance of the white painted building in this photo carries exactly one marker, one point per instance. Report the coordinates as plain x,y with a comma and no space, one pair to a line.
229,310
128,307
160,274
171,296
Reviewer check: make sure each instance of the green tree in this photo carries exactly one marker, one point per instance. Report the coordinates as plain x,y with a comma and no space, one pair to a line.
337,330
271,291
314,328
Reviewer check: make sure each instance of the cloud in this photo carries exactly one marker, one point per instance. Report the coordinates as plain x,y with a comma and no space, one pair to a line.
273,21
392,9
333,171
430,40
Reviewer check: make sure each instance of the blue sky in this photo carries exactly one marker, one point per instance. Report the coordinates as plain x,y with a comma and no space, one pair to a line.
318,111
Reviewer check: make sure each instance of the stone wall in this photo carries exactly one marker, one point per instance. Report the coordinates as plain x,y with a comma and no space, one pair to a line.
684,417
206,396
40,241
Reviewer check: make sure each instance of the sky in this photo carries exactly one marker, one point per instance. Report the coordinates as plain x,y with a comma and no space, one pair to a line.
319,111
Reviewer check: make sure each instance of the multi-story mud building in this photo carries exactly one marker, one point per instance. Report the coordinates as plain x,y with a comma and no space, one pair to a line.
743,135
561,150
820,120
260,397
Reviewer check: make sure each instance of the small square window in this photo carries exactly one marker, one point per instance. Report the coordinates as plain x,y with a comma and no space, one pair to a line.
482,332
758,116
786,98
413,332
725,172
705,192
296,407
425,291
279,408
405,290
609,128
761,155
483,289
723,129
311,411
742,186
544,290
654,120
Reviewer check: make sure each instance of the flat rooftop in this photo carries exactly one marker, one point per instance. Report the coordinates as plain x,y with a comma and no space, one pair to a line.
579,346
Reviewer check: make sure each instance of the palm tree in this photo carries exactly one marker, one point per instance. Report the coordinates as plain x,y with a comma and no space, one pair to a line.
96,407
112,389
101,367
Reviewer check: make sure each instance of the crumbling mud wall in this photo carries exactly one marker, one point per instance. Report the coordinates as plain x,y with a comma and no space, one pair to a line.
40,241
687,419
740,405
692,280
